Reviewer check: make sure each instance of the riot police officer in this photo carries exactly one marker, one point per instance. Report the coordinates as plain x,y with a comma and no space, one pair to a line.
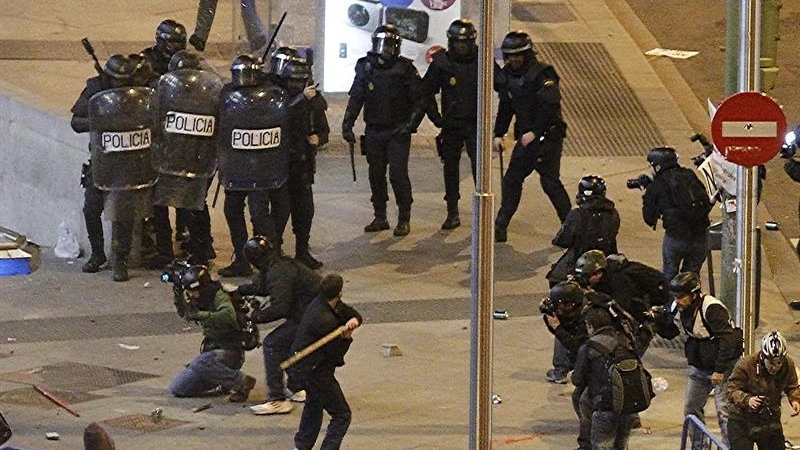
294,76
389,88
253,158
117,72
170,39
528,90
454,72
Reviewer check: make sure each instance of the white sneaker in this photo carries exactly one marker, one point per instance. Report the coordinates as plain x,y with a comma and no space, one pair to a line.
298,397
273,407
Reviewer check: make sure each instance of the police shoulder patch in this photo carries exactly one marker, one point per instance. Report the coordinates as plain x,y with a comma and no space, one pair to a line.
549,83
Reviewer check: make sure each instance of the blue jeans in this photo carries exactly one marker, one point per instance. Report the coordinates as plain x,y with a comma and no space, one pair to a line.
323,393
698,386
611,431
563,359
207,371
684,254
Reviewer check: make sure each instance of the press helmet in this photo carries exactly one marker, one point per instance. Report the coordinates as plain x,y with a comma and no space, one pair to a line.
591,186
280,58
662,158
260,252
685,283
246,71
196,277
185,59
567,292
516,42
590,263
386,41
773,345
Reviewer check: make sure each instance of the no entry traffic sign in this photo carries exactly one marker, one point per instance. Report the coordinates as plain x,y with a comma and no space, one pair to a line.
748,128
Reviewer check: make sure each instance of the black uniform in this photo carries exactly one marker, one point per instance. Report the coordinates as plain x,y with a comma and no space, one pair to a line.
532,96
391,94
456,77
291,286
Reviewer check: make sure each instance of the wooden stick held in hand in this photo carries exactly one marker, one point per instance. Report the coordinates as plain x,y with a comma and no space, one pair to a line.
292,360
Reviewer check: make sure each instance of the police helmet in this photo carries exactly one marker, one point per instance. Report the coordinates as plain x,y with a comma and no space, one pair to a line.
170,31
386,41
143,72
462,30
245,70
567,292
259,252
589,263
591,186
685,283
280,58
196,277
184,59
296,69
119,67
662,158
773,345
516,42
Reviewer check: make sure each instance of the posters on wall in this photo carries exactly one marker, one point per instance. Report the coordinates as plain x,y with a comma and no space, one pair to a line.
349,25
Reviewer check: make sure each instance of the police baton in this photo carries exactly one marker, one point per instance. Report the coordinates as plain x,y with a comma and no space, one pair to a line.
353,159
90,50
502,168
272,39
216,194
292,360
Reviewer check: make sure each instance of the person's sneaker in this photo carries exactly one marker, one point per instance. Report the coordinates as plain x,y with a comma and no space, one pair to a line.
500,234
452,221
402,229
120,272
240,395
377,224
237,269
94,264
273,407
308,260
556,377
197,42
298,397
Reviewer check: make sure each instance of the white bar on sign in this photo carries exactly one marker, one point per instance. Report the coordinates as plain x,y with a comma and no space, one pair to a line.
750,129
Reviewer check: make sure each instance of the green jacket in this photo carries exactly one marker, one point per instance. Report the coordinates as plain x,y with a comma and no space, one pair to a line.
220,328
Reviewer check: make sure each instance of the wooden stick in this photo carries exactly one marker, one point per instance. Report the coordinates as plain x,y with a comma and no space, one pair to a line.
55,400
292,360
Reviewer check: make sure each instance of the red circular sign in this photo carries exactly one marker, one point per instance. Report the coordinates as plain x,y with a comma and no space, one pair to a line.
748,128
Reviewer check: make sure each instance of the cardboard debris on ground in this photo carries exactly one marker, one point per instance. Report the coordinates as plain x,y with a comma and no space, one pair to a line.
669,53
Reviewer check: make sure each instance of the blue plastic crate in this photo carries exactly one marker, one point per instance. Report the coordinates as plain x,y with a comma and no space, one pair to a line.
14,262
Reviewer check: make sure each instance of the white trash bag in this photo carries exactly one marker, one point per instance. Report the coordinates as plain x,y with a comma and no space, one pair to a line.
67,246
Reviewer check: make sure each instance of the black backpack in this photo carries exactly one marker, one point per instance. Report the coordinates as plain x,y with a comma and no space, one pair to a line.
689,195
248,330
653,287
596,234
630,387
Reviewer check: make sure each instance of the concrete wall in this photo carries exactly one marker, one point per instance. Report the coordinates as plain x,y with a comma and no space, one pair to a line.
39,174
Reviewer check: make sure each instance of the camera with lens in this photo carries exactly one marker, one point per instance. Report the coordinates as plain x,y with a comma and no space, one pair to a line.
789,147
708,148
640,182
173,272
548,306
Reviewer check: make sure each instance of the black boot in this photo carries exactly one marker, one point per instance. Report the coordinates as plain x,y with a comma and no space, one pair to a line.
452,221
98,258
377,224
302,254
239,268
120,271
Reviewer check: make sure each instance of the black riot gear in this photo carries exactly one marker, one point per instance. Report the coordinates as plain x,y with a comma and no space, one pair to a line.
260,252
185,59
461,38
685,283
143,72
516,42
170,36
280,58
245,71
295,75
590,186
386,42
119,69
662,158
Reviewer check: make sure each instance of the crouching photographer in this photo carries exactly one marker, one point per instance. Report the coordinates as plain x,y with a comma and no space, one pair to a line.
215,370
562,314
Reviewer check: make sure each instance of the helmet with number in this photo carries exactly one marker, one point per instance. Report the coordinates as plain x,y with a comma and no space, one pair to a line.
461,38
196,277
567,292
662,158
280,58
773,345
386,41
260,253
516,42
685,283
185,59
246,71
170,36
591,186
590,263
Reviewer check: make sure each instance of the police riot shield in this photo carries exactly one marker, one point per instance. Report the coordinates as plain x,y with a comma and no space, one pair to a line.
184,144
251,154
121,131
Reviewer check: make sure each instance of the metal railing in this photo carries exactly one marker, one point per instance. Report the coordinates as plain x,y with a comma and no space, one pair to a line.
698,436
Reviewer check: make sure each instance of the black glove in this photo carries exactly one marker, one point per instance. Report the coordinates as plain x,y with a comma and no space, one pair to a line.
347,135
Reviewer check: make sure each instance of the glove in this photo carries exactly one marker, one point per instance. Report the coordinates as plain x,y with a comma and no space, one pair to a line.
347,135
310,92
499,146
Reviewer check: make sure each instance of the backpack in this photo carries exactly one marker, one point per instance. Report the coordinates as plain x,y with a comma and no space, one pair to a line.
649,281
689,195
630,387
596,234
248,330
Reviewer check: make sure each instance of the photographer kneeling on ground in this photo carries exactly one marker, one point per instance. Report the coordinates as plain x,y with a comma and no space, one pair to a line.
216,368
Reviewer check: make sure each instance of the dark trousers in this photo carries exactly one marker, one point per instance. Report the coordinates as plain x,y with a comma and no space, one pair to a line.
269,212
92,214
276,346
323,393
451,141
121,239
301,195
543,157
742,435
385,148
162,230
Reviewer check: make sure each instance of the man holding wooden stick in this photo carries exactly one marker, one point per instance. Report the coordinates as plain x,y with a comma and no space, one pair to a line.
315,372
